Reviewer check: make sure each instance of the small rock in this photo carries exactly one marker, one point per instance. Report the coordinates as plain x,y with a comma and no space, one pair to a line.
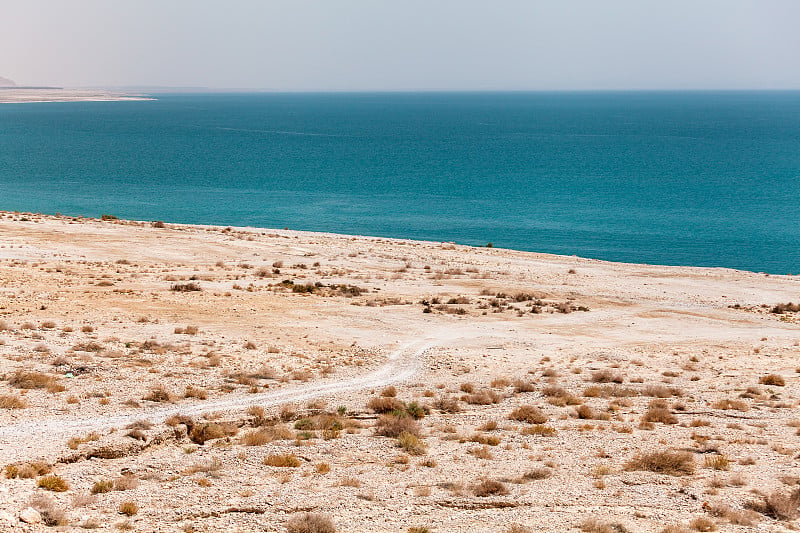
30,516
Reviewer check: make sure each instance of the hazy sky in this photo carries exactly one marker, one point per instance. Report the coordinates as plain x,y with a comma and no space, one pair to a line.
403,44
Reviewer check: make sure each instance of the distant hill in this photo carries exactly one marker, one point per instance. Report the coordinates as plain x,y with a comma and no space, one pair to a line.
5,82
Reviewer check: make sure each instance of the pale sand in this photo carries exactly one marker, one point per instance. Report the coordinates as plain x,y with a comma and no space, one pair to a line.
22,96
646,325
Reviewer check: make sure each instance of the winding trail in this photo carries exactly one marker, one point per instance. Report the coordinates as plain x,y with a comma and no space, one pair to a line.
25,440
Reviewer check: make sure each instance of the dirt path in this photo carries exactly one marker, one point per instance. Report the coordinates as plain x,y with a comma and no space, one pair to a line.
27,440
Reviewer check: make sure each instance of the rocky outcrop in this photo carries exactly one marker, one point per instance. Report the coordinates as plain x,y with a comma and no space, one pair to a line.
5,82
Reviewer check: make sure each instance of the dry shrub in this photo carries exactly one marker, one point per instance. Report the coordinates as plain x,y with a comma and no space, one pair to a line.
12,401
282,460
607,376
185,287
417,411
739,517
491,440
521,385
201,433
518,528
382,404
593,525
483,397
128,508
529,414
779,309
489,487
481,452
661,391
389,392
779,505
411,443
310,523
349,482
195,392
540,430
663,462
717,462
606,391
53,483
489,425
587,413
560,397
728,404
659,414
102,486
24,379
158,394
393,426
27,470
447,404
258,437
498,383
674,529
772,379
537,474
52,514
701,523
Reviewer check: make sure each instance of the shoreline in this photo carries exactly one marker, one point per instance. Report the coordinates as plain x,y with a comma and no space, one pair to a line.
377,238
39,96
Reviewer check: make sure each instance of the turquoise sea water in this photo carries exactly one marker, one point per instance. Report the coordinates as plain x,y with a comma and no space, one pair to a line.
707,179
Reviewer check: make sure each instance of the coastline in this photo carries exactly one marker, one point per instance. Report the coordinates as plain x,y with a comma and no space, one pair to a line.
398,240
30,96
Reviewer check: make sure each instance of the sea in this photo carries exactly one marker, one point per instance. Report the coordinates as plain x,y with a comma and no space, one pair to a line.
674,178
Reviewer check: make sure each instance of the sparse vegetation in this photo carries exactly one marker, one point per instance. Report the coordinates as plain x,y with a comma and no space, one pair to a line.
529,414
310,523
53,482
663,462
282,460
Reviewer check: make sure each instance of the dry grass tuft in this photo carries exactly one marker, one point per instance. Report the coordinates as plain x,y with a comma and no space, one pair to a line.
12,401
24,379
489,487
383,404
663,462
659,414
702,523
483,397
529,414
772,379
310,523
393,426
282,460
717,462
593,525
128,508
727,404
607,376
158,394
411,443
779,505
210,431
53,483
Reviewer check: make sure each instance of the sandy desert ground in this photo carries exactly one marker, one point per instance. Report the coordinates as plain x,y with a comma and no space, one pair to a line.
161,377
